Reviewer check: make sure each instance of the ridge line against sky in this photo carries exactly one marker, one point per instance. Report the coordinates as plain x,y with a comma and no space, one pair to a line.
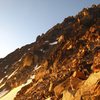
21,21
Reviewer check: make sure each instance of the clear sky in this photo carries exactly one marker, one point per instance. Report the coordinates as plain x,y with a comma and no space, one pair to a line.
21,21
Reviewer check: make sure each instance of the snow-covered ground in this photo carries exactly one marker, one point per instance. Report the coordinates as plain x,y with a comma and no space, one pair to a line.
37,67
29,49
49,98
53,43
46,41
1,80
12,94
6,66
42,50
13,73
3,93
2,85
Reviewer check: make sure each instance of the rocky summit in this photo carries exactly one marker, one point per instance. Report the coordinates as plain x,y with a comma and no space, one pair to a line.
62,64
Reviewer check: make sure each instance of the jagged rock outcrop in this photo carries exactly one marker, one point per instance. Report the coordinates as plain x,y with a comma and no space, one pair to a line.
64,61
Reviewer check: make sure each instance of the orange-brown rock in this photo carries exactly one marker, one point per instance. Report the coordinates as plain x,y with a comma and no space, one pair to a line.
28,60
65,61
79,74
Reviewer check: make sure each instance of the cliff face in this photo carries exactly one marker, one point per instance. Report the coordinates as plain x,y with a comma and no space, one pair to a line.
63,63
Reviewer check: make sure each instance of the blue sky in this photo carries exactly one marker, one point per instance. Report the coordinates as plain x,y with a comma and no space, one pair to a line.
21,21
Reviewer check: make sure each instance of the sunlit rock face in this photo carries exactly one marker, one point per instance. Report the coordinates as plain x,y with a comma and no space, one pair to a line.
28,60
63,63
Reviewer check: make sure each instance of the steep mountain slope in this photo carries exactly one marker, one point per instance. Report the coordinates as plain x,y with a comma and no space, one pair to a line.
63,63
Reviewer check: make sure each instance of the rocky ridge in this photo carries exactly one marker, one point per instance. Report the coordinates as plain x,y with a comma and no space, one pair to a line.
63,63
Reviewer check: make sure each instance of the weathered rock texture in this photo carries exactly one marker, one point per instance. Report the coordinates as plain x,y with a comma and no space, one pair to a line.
65,61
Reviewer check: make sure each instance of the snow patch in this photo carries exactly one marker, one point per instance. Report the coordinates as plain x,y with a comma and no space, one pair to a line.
20,60
24,54
5,72
6,76
37,67
29,49
48,98
32,77
53,43
6,66
1,80
46,41
13,73
42,50
2,85
3,93
12,94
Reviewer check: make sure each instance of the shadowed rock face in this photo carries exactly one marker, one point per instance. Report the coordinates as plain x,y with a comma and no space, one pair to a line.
64,61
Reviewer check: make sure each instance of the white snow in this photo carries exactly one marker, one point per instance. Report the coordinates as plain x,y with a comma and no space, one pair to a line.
49,98
2,85
24,54
30,80
20,60
53,43
37,67
29,49
13,73
3,93
15,63
6,76
12,94
5,72
1,80
42,50
32,77
6,66
46,41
